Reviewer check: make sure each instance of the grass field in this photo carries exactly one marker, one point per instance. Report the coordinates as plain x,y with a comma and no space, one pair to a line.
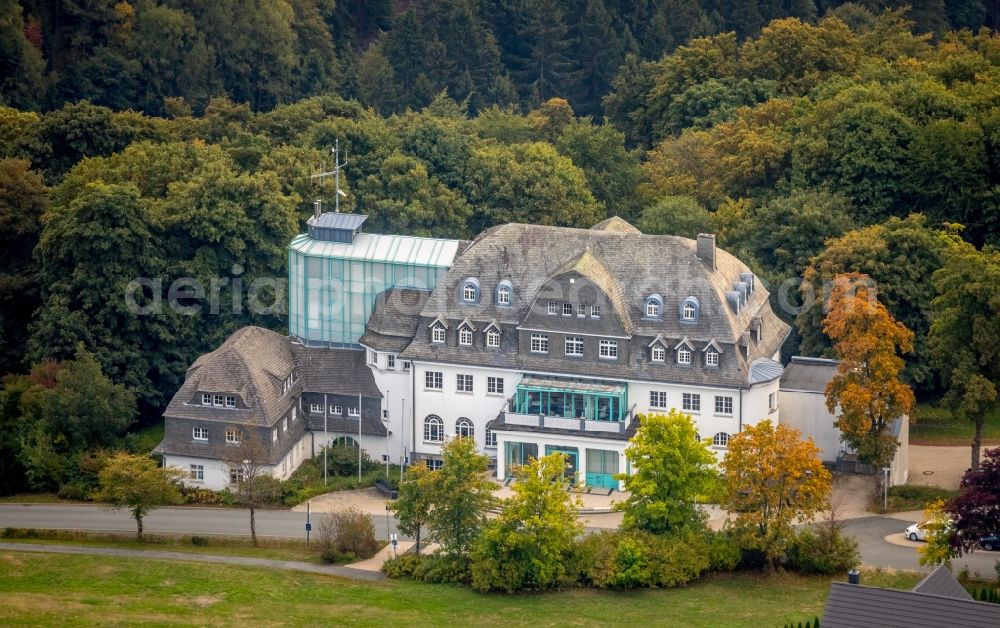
911,497
270,548
937,426
86,590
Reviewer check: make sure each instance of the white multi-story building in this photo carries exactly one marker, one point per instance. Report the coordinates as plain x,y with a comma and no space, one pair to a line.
529,339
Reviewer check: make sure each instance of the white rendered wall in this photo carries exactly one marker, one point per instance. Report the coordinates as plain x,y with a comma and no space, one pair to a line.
397,401
806,412
216,471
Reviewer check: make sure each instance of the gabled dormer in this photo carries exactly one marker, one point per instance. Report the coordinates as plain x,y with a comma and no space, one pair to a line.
683,352
658,350
465,333
438,330
712,353
493,335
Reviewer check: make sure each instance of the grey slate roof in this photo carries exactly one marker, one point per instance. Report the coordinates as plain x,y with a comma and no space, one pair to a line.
808,374
338,371
764,370
251,364
347,425
334,220
942,582
395,319
529,255
859,606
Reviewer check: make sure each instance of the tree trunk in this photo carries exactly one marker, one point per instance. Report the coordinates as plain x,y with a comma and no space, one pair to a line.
977,440
253,527
418,540
138,523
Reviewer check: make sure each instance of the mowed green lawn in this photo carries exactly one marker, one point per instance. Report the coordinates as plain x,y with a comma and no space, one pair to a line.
37,589
938,426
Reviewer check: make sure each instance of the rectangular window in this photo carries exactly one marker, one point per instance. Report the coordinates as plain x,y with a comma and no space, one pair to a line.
539,343
338,410
723,405
274,435
217,400
658,354
574,345
434,465
595,311
234,436
465,337
437,334
316,408
684,356
198,472
406,365
494,385
284,424
567,309
463,383
609,349
433,380
772,401
581,310
206,399
353,411
230,401
657,399
691,402
491,438
200,433
390,361
712,358
372,357
235,476
553,308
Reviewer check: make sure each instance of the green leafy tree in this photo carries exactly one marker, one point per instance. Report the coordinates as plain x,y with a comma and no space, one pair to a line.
773,479
413,505
671,470
613,172
867,392
675,215
138,484
461,494
963,334
248,463
22,73
527,546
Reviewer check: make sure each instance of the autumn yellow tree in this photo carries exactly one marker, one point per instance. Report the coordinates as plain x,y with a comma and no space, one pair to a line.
772,479
867,390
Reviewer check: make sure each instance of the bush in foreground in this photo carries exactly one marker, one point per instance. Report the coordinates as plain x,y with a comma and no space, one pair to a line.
824,549
346,535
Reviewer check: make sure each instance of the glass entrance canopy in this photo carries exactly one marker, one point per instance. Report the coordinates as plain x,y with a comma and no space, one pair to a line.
571,399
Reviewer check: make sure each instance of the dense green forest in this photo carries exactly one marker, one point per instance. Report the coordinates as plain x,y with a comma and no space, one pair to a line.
176,139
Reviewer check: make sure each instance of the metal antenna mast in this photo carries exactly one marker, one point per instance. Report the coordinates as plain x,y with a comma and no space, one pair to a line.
335,173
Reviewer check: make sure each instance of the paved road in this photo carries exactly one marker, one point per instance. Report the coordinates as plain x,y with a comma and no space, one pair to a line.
876,551
191,557
204,521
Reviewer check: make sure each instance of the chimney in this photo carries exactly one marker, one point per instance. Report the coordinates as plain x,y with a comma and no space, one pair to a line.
706,249
317,207
854,577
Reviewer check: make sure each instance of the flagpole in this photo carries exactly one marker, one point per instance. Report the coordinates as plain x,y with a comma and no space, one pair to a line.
359,439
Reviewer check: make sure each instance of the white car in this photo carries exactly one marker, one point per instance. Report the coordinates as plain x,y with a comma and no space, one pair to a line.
916,532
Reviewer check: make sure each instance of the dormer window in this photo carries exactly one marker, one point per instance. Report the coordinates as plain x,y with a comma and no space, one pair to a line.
470,291
505,293
690,309
230,401
654,306
711,358
567,309
493,339
553,308
595,311
216,400
684,355
437,334
206,399
465,337
658,353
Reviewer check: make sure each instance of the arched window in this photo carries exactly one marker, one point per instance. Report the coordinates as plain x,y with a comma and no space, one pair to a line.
684,355
465,337
464,428
721,439
437,334
433,429
493,339
344,441
658,354
654,306
690,309
505,293
711,358
491,438
469,292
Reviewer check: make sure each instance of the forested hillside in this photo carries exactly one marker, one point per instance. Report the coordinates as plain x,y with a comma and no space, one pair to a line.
171,140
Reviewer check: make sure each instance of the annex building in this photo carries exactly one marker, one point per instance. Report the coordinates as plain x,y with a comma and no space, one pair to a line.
529,339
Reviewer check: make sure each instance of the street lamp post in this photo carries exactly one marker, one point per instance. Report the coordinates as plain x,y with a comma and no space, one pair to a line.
885,489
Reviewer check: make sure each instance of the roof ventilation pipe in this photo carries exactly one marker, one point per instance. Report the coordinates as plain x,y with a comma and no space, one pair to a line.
317,207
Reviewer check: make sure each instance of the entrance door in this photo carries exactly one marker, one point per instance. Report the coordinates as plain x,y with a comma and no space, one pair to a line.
602,465
572,456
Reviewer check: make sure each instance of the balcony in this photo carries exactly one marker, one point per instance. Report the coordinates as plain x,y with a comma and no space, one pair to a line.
541,421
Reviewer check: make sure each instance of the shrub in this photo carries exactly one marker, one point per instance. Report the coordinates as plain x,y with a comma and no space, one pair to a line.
402,566
199,541
628,560
345,535
723,551
442,568
823,550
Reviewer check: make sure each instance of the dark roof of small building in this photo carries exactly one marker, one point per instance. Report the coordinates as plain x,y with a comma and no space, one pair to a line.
370,424
808,374
395,319
942,582
859,606
335,371
335,220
